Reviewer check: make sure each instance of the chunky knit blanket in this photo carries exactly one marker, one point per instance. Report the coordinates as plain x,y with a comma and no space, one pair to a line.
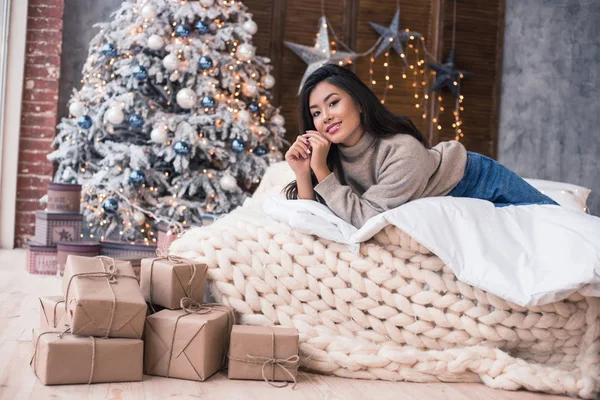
395,311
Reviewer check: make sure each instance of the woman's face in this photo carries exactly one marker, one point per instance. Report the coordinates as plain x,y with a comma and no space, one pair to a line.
335,114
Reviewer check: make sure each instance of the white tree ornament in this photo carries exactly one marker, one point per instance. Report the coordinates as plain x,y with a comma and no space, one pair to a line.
156,42
114,115
76,109
186,98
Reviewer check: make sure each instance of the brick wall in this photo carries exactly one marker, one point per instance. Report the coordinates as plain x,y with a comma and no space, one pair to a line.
39,110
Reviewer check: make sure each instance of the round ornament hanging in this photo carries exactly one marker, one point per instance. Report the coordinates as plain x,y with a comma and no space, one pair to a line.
250,27
136,121
76,109
137,177
250,89
278,120
237,145
140,73
156,42
183,31
110,206
181,148
186,98
268,81
260,151
253,107
228,183
114,115
139,217
159,135
85,122
205,63
244,116
149,11
207,3
245,52
202,27
170,62
109,50
208,102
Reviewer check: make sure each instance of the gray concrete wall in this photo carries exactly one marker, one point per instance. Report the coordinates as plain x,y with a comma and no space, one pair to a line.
80,15
550,106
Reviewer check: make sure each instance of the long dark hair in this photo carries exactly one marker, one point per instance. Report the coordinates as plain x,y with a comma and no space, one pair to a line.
375,118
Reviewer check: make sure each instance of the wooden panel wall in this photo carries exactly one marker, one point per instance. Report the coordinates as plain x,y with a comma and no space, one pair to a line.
479,36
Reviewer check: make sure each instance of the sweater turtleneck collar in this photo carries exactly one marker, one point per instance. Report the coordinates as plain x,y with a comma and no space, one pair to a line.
365,142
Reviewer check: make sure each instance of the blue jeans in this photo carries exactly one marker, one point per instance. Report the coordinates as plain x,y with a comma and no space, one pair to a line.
487,179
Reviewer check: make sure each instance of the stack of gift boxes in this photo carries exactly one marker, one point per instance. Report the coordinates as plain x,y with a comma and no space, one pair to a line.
110,327
59,233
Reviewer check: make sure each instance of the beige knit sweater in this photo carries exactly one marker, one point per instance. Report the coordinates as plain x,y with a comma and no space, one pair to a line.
377,175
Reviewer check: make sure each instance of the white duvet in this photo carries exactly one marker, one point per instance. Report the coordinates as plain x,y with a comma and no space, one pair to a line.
530,255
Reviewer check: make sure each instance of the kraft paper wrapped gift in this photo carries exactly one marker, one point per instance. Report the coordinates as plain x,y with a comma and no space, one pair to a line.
187,344
264,353
166,280
52,313
103,298
63,358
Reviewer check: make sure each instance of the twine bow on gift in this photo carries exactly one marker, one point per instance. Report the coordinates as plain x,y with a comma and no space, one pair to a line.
33,361
111,274
175,259
282,363
191,307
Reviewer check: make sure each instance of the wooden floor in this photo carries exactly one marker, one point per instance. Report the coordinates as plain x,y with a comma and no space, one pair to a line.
19,313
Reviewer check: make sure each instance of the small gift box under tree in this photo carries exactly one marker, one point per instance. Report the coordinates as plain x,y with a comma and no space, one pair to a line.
41,259
54,227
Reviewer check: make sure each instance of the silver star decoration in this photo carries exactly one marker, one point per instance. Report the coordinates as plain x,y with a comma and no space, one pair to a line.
392,36
320,54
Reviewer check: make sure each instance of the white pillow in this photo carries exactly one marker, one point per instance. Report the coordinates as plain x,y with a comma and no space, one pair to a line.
567,195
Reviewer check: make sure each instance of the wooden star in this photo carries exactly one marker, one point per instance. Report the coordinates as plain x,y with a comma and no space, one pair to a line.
446,75
320,54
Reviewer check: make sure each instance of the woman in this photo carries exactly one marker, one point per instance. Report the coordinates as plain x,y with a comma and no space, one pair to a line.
361,159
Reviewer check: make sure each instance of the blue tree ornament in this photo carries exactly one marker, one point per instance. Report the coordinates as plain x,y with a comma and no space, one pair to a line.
136,121
109,50
253,107
260,151
183,30
137,177
140,73
85,122
237,145
205,63
181,148
208,102
110,206
202,27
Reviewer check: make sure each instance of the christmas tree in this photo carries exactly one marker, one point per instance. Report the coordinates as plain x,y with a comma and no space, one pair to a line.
173,119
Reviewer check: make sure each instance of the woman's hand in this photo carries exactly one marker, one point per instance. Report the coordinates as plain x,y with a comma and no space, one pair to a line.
320,149
298,156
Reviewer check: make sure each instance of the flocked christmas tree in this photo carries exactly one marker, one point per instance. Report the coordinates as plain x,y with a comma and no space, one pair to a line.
173,119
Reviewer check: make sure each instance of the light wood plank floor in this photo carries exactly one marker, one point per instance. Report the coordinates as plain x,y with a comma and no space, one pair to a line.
19,313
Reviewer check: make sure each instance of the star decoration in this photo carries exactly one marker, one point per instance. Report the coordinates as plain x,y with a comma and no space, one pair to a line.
392,36
320,54
65,235
446,75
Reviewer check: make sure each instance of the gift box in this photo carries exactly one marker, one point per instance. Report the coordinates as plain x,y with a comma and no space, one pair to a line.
52,313
264,353
54,227
63,197
103,298
85,249
166,280
189,343
63,358
136,264
41,259
116,249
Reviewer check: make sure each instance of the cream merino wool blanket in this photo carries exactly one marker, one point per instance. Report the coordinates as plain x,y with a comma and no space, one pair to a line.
394,310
